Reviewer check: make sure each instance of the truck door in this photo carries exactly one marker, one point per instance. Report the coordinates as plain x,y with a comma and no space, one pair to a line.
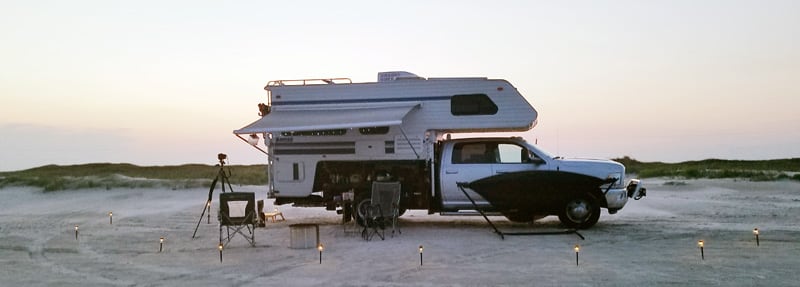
466,162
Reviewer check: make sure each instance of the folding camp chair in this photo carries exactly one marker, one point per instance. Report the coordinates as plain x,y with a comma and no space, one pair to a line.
386,197
374,223
237,212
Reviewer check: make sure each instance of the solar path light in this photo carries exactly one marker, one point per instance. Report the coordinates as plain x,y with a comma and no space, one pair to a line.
420,255
755,232
320,247
110,217
160,244
577,249
220,246
701,244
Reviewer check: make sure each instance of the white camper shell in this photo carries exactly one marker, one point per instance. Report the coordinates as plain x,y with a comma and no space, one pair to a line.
397,118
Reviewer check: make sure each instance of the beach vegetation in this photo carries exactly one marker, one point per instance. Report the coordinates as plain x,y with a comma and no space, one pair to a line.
754,170
122,175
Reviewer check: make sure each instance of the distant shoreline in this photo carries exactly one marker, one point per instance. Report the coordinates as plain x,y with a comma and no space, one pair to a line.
123,175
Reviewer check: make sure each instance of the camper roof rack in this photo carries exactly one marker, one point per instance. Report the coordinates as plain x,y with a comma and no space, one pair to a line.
303,82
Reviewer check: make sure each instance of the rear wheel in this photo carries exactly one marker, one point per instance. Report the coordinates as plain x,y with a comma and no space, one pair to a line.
580,212
362,202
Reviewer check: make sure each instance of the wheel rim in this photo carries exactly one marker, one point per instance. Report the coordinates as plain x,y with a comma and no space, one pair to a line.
361,208
578,210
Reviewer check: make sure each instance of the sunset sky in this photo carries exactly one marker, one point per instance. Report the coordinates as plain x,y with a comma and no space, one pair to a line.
166,82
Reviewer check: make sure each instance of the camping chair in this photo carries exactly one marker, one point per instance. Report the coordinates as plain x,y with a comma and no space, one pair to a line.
374,223
386,196
237,212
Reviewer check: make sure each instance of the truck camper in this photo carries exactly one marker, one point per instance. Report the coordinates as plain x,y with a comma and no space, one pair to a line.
328,139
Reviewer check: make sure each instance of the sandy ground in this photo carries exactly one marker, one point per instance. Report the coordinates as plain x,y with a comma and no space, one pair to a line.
652,242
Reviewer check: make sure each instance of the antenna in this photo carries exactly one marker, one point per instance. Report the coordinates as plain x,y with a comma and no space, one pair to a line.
558,141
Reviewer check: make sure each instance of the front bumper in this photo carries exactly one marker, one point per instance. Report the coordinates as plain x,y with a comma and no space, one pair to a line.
618,197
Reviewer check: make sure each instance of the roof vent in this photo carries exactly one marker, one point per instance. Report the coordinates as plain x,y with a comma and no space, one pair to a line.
396,75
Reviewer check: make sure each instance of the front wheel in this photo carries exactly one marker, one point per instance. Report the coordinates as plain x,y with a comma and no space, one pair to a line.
580,212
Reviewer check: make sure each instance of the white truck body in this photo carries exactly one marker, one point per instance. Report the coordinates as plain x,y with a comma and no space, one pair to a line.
324,138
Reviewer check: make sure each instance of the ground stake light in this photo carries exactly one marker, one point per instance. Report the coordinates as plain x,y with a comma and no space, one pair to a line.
220,251
160,244
320,247
701,245
420,255
110,217
755,232
76,232
577,250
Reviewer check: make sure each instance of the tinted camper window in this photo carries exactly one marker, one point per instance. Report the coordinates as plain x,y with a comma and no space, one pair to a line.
336,132
374,130
472,104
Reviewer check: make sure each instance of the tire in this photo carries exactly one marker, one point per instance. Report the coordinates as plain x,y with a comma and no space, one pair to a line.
580,212
362,201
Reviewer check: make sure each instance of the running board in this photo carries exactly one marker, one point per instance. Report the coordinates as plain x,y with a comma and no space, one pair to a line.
469,213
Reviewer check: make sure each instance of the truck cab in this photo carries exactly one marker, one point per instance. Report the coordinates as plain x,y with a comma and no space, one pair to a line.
467,160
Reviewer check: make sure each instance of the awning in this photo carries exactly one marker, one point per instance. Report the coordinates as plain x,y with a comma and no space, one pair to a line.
329,117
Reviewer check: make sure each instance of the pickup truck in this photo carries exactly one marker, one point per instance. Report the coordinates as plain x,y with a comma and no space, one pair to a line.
471,159
328,140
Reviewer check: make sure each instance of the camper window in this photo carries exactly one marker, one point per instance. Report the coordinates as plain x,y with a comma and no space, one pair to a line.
336,132
374,130
472,104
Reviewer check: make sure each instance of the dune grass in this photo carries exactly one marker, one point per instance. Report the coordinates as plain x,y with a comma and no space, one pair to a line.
755,170
121,175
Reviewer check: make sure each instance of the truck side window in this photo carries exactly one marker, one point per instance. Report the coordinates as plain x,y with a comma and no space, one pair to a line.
472,153
511,153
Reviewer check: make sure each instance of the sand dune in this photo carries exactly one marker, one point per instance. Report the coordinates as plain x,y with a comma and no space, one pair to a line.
652,242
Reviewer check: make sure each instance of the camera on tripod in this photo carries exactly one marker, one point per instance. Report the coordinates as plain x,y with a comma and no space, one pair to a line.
222,178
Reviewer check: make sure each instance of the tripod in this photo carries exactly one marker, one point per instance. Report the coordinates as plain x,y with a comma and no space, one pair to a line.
221,177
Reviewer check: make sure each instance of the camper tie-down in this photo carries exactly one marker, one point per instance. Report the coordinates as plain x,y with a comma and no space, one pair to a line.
327,140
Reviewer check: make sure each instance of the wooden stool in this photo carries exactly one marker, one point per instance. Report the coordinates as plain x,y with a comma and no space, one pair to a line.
273,215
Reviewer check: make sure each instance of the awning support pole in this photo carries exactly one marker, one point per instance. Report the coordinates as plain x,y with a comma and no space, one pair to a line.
409,142
258,148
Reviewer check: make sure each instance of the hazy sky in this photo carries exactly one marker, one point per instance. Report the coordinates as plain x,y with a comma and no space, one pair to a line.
166,82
